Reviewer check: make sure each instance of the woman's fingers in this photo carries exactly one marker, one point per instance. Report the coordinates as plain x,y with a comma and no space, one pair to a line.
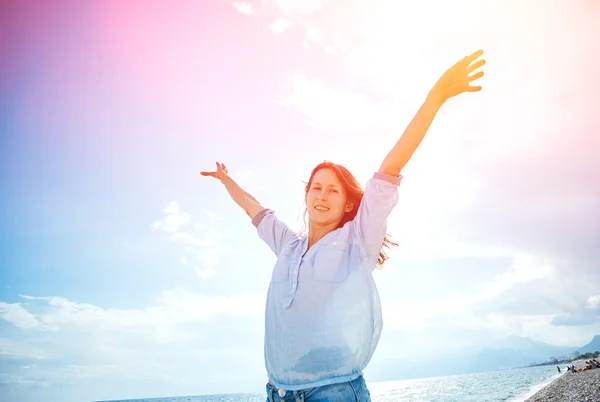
475,76
220,168
474,56
475,66
471,88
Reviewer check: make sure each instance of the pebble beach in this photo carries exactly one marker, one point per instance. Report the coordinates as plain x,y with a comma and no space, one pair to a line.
583,386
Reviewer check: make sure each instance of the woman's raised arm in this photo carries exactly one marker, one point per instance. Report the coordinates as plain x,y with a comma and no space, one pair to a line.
454,81
242,198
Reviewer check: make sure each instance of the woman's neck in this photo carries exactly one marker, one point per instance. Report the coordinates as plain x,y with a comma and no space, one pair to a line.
317,232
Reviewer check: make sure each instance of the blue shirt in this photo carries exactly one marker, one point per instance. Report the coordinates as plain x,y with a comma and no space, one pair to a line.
323,315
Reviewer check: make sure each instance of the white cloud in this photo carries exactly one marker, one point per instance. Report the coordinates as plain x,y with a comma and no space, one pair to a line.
280,25
465,309
328,108
243,7
209,259
12,348
88,371
206,244
172,208
205,272
191,240
593,302
171,340
197,307
174,221
525,268
17,315
298,8
389,52
177,306
212,218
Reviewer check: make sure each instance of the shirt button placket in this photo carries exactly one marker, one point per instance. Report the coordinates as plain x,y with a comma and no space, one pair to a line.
294,281
292,293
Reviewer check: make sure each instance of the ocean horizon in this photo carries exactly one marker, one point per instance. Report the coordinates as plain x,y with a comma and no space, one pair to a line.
510,385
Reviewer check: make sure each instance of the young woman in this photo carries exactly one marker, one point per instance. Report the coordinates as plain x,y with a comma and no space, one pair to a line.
323,316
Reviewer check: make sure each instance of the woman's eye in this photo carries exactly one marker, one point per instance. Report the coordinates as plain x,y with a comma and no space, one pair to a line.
334,191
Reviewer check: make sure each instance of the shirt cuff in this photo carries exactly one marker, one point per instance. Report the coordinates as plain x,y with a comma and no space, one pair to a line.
259,217
395,180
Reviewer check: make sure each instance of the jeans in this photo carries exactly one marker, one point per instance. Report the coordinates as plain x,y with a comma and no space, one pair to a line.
351,391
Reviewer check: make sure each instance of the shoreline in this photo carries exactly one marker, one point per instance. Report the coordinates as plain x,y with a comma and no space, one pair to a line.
567,386
536,388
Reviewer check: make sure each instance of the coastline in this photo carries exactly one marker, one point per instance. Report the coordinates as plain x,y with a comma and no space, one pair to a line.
536,388
567,386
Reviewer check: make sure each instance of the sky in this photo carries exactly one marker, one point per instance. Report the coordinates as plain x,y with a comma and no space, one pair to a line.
125,274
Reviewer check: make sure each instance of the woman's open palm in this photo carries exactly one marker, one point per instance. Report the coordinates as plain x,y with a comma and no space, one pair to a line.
457,79
220,173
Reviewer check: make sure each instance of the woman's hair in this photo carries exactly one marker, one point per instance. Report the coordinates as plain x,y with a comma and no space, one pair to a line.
354,193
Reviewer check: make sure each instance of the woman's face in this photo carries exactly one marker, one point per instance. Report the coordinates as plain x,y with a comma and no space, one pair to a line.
326,198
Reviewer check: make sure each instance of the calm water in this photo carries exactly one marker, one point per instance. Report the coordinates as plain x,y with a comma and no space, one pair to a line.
507,385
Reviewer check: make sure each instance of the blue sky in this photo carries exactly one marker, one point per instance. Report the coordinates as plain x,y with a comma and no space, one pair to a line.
125,274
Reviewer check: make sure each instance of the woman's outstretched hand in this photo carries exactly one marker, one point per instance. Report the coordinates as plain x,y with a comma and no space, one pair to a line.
457,79
220,173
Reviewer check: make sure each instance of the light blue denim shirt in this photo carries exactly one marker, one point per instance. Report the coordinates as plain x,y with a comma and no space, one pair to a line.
323,315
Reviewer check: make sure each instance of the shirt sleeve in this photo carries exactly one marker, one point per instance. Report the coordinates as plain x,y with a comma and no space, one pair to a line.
370,223
272,231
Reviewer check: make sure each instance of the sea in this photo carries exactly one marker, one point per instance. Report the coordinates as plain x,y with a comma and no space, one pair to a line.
511,385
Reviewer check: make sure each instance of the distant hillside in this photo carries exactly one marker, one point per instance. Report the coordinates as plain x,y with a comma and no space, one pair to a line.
593,346
512,352
496,359
536,351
